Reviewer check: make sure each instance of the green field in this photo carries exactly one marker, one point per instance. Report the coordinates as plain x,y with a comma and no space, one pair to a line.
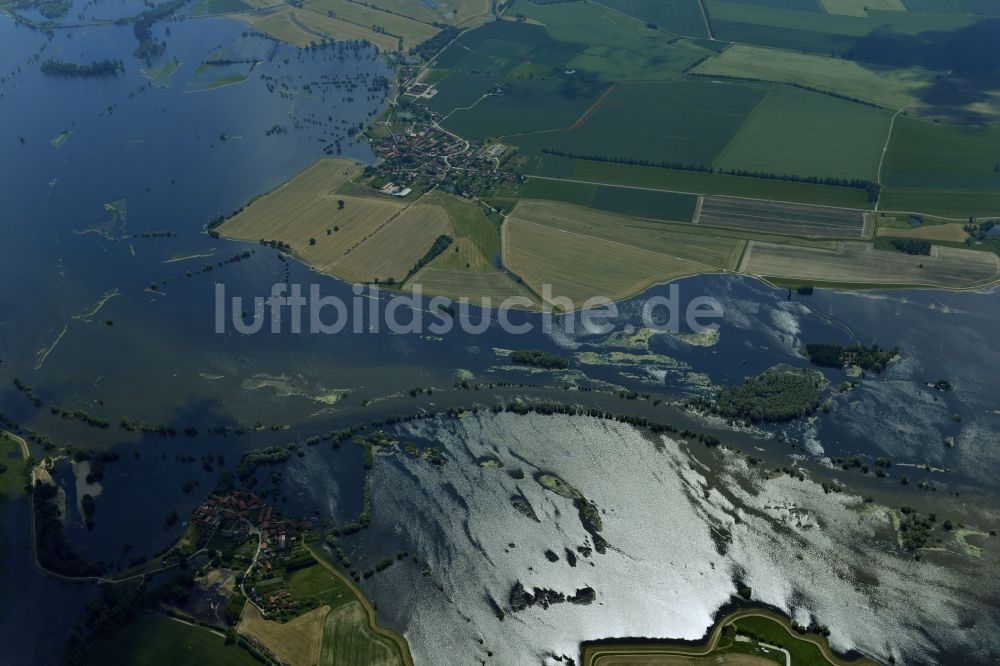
937,6
581,194
218,7
498,47
470,222
803,133
686,121
940,156
772,633
723,647
11,469
528,106
318,584
638,203
890,87
947,203
349,641
704,183
154,640
682,17
819,32
459,89
611,44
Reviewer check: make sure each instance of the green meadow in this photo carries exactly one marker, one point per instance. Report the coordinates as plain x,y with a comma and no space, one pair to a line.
527,106
942,156
682,17
459,89
611,44
686,121
624,200
11,469
765,23
798,132
153,640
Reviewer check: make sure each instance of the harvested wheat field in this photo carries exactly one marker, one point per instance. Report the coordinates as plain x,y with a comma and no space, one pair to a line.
860,264
474,284
584,253
714,249
299,641
320,226
952,232
390,252
579,267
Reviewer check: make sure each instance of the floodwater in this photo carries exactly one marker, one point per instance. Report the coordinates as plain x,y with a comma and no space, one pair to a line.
106,165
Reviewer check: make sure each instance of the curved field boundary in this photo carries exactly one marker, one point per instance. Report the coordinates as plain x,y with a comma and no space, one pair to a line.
597,654
390,634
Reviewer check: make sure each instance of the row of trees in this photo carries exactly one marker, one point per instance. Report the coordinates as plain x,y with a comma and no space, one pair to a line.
871,188
54,67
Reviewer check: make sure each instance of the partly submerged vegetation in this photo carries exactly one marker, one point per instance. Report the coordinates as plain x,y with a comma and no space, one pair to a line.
779,394
872,357
55,67
539,359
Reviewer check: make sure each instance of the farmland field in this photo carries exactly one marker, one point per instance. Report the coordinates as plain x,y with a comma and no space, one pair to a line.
938,6
389,253
298,641
470,227
857,263
782,218
581,194
611,44
682,17
545,255
952,232
704,183
303,26
643,203
640,203
349,641
459,89
711,248
803,133
498,47
411,31
472,284
940,156
465,13
818,32
310,219
948,203
861,7
306,213
12,476
153,639
549,243
722,646
689,122
892,88
527,106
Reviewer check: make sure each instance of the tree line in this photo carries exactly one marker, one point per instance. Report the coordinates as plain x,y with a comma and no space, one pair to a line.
871,188
54,67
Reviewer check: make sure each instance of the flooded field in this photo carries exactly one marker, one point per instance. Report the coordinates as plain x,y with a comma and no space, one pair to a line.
108,317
